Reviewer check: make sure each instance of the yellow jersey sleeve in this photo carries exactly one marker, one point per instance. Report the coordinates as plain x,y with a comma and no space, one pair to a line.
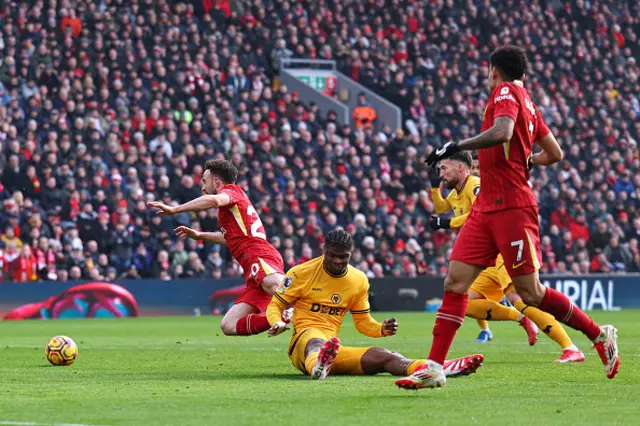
285,296
361,313
440,204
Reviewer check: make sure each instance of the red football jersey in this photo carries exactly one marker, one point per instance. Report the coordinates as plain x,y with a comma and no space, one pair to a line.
503,168
240,224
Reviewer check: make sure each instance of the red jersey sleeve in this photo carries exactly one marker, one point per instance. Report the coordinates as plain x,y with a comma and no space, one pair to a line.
233,192
542,129
505,102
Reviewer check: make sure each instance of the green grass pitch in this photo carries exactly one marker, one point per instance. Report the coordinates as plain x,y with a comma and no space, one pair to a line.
182,371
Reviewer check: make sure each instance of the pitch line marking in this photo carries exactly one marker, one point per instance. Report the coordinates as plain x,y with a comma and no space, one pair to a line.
42,424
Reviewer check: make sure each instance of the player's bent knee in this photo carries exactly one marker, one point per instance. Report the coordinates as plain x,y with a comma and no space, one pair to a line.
530,289
271,283
228,326
313,345
453,284
460,277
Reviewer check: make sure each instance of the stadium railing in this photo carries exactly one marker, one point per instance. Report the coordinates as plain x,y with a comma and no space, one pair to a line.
301,75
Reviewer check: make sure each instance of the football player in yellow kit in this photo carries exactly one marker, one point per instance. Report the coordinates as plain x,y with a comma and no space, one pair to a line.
321,292
494,282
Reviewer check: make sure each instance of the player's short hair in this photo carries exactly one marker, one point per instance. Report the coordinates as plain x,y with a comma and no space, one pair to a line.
464,157
224,169
510,61
340,239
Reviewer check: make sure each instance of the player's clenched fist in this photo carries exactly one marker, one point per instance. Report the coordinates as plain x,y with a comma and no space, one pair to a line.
278,328
390,327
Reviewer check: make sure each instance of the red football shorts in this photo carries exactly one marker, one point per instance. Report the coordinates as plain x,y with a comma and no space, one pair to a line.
256,268
254,297
514,233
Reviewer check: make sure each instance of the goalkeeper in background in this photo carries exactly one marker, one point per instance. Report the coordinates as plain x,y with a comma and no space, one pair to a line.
322,291
494,282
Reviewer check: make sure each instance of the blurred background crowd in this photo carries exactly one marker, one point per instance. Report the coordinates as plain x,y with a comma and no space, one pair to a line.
107,104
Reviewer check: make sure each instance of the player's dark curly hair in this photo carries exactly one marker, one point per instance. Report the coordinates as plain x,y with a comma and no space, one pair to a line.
340,239
510,61
464,157
224,169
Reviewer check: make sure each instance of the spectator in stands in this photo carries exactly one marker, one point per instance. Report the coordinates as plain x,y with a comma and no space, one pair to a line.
24,267
364,114
600,238
279,53
620,257
578,227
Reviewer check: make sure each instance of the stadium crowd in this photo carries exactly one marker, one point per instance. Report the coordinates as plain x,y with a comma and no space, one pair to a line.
107,104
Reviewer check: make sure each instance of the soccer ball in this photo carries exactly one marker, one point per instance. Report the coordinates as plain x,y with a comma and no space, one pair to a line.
61,350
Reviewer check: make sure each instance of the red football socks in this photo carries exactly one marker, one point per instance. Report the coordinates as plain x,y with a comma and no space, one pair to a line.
559,305
252,324
448,320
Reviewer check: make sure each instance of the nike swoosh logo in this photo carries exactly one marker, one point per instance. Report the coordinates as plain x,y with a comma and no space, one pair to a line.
441,151
517,265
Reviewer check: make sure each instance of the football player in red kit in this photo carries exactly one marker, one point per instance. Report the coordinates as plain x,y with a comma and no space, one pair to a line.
504,218
242,231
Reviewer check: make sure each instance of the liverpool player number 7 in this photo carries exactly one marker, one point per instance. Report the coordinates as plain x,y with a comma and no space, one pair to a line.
504,218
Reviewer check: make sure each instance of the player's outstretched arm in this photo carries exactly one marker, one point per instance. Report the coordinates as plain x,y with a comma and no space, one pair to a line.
204,202
213,237
551,151
361,313
365,324
500,132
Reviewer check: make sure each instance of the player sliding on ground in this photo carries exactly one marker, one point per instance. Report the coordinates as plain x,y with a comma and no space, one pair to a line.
242,231
504,219
493,283
322,291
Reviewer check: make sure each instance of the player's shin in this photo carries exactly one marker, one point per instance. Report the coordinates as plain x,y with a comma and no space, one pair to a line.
449,318
252,324
559,305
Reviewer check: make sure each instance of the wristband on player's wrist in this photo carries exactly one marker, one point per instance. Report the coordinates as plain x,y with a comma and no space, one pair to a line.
438,222
445,223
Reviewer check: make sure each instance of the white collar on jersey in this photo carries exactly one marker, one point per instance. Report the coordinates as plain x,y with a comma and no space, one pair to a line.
518,82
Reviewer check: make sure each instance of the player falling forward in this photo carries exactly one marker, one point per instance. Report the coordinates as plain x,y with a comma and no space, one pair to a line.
504,219
493,283
322,291
242,231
